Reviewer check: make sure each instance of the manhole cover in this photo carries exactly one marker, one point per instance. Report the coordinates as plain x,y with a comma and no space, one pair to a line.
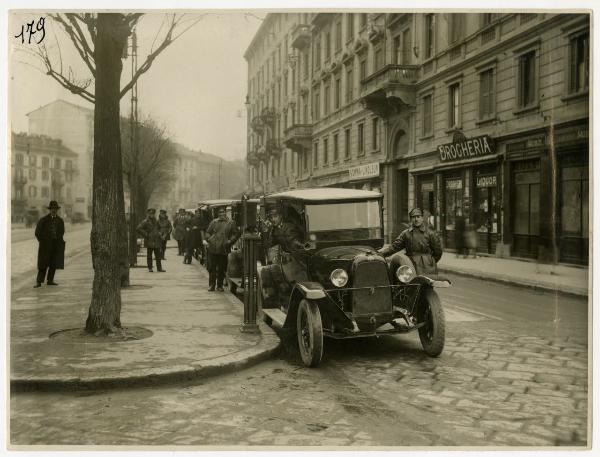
78,335
137,287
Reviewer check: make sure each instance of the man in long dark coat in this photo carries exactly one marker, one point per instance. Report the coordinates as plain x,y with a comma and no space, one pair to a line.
221,234
49,232
150,230
421,243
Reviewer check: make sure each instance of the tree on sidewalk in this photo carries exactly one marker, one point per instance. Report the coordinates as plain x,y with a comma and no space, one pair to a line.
148,169
101,41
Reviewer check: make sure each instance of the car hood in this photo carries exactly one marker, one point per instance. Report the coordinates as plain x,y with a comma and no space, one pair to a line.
342,252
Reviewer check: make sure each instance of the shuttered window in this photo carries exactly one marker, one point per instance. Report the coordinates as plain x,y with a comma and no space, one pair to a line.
486,94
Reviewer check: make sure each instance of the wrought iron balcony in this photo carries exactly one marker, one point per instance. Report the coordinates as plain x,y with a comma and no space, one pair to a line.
301,36
268,115
387,90
298,137
257,124
262,154
273,147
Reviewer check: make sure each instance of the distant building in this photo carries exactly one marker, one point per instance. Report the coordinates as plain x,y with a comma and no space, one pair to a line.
74,125
42,169
484,113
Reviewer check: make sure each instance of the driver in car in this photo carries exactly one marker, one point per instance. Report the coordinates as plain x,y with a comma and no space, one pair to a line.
286,234
421,243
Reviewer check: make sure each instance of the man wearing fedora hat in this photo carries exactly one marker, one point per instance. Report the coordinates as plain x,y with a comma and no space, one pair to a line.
49,232
150,230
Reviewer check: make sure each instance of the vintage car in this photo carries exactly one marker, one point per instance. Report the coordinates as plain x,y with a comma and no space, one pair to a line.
337,285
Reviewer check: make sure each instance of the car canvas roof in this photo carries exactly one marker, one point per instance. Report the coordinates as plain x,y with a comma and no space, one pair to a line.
224,202
324,194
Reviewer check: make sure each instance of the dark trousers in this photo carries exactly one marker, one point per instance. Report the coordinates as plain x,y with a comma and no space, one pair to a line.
163,248
180,246
217,266
157,256
42,274
188,254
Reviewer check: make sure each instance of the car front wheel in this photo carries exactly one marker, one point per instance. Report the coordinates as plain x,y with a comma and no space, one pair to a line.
433,333
310,333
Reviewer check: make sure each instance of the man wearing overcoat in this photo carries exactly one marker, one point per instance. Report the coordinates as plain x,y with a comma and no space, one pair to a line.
150,230
421,243
49,231
165,229
220,236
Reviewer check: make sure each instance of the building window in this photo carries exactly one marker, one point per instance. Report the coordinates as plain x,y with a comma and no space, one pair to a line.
325,151
527,79
45,192
347,145
32,173
317,54
361,139
326,100
397,50
305,160
44,175
19,159
349,26
363,20
363,69
349,85
336,151
327,46
377,59
338,35
69,164
316,154
579,63
487,99
375,134
337,93
454,106
455,27
429,35
32,191
488,18
69,194
427,115
57,164
406,47
32,161
317,106
305,63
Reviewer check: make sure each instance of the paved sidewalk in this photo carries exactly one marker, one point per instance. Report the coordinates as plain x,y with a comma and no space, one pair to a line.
195,333
561,278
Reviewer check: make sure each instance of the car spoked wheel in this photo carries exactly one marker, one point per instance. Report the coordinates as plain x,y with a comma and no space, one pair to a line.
310,333
433,333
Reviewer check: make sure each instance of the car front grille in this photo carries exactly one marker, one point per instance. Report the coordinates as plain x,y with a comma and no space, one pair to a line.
374,295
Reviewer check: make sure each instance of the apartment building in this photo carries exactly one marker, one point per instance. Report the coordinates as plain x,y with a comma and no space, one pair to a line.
485,114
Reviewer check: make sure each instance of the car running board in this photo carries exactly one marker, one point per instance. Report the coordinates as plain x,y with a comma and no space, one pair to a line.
276,315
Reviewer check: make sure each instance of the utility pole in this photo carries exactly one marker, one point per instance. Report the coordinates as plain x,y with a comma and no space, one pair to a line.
133,178
220,162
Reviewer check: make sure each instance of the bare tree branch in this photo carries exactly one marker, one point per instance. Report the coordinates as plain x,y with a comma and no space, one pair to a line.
78,38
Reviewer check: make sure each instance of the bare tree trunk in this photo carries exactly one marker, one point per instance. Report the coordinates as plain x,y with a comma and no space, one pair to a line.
108,218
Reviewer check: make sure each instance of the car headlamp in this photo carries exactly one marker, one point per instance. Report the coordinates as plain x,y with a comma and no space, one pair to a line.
339,277
404,273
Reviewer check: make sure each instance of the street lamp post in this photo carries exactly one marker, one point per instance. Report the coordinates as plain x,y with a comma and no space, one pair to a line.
251,242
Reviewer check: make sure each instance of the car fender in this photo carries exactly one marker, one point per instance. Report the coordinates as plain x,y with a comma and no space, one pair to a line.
436,281
314,291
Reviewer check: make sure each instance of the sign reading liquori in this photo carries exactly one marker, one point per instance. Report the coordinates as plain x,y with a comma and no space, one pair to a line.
369,170
467,149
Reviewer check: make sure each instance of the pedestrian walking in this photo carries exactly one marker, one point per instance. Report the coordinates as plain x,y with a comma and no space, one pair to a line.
422,245
150,230
188,239
49,232
179,230
165,229
221,234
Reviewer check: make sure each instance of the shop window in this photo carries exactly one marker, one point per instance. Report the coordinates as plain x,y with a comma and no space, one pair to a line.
575,201
487,94
454,106
325,151
361,138
429,35
527,87
427,115
454,201
579,63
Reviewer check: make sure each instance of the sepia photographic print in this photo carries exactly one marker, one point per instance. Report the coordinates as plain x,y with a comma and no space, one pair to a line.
353,228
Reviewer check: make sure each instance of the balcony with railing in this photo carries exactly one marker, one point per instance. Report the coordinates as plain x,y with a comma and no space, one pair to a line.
257,124
268,115
389,88
298,137
301,36
261,153
273,147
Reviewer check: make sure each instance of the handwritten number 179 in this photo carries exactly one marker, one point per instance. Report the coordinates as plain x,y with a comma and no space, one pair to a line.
30,30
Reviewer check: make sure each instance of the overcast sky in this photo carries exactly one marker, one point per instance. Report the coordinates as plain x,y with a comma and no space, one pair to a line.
196,87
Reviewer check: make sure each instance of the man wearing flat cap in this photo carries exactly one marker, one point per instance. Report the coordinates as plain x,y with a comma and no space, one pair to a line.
421,243
150,230
286,234
49,232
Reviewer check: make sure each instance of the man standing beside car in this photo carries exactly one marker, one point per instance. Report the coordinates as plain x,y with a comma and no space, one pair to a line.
422,245
220,236
49,232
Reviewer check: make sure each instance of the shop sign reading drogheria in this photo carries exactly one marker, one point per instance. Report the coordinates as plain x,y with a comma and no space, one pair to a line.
466,149
369,170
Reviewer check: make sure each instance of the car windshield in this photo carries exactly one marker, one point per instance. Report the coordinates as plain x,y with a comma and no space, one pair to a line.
354,220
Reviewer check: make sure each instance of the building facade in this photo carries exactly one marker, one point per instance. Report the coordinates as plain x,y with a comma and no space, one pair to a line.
42,169
485,115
